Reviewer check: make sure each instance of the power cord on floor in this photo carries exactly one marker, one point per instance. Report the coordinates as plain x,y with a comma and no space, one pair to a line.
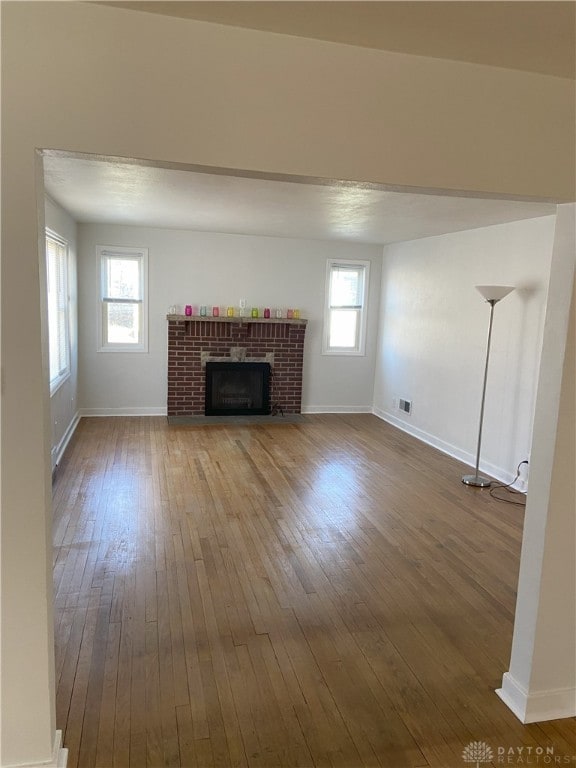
509,489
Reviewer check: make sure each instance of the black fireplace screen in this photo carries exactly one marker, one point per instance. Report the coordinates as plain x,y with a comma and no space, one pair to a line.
237,389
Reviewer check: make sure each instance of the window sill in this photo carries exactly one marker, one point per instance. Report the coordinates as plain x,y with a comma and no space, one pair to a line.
57,383
124,348
344,352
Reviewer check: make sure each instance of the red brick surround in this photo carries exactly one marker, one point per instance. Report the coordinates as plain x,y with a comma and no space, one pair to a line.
189,337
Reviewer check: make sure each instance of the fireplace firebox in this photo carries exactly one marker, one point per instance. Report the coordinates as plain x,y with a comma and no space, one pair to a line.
239,389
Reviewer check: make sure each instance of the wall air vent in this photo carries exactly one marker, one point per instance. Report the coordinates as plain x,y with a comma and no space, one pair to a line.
405,405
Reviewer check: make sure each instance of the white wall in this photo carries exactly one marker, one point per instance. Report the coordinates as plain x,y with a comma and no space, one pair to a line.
214,269
433,330
64,401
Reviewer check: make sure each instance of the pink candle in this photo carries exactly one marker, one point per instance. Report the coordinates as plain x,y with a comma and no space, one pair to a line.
215,311
266,312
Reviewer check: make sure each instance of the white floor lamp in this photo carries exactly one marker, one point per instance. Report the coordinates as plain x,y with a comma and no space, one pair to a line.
493,294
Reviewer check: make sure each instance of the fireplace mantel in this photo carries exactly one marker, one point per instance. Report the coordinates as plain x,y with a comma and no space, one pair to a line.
239,320
194,339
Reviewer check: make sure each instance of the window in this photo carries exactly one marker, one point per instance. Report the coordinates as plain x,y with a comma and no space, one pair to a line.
344,319
123,299
58,309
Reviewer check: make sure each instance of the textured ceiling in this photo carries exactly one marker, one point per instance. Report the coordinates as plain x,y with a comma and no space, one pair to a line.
531,36
142,195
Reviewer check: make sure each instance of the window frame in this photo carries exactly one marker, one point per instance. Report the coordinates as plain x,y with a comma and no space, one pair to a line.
104,253
359,350
63,292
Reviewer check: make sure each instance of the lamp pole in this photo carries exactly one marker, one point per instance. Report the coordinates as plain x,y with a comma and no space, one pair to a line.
493,294
476,479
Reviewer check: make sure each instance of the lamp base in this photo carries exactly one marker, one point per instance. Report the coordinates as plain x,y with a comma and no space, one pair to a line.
476,480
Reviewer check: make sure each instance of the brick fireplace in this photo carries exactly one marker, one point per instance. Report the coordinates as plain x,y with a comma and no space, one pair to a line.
194,341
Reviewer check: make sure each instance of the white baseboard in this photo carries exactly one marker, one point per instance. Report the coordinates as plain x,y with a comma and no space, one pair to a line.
336,409
58,450
59,757
127,411
537,707
457,453
59,753
162,410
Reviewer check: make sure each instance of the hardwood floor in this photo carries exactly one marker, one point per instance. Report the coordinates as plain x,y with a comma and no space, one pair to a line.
326,593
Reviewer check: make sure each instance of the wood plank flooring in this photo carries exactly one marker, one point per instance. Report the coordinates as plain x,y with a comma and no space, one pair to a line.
326,593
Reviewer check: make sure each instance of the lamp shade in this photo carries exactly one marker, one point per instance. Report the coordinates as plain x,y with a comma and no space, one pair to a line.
494,292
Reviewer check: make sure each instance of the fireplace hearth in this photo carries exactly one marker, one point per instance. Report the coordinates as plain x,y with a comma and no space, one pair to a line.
237,389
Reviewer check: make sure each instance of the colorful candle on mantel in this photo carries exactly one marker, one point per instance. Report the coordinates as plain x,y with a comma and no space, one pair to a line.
267,312
230,312
215,311
254,311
